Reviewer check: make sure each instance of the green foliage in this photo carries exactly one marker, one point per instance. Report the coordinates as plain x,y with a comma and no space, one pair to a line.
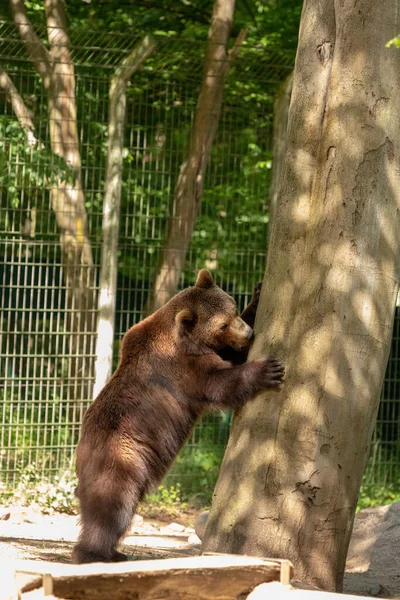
45,168
371,496
24,423
166,500
197,471
274,22
27,420
381,481
42,493
197,466
394,42
164,95
271,23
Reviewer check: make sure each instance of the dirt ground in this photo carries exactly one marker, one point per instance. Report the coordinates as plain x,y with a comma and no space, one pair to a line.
373,566
28,535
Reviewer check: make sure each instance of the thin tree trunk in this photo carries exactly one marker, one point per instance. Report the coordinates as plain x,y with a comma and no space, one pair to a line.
281,115
292,471
56,69
111,211
189,186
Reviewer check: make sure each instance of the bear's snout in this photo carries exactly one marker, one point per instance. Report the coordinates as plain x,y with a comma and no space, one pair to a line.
240,333
250,334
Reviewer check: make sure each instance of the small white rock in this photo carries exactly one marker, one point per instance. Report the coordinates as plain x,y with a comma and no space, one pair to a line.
137,521
175,527
144,530
189,530
193,539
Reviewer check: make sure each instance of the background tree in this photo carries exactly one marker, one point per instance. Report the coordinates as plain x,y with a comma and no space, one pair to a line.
292,471
190,182
112,209
56,69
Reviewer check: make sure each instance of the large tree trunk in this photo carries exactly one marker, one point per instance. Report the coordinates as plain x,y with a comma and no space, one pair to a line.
291,475
189,186
56,69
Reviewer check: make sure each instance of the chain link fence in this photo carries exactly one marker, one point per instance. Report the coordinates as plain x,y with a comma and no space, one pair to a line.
43,395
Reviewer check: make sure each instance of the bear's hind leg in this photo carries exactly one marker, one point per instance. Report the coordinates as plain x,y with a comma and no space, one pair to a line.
101,532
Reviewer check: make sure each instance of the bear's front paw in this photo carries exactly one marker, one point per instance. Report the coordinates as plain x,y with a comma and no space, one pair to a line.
271,373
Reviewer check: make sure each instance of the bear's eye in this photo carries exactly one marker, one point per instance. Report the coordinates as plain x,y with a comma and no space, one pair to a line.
224,326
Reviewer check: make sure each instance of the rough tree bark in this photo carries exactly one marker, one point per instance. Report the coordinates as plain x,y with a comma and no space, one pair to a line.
111,211
189,186
281,115
292,471
56,69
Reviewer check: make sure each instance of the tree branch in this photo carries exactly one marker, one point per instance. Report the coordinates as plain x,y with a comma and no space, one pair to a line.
38,53
19,107
135,59
234,51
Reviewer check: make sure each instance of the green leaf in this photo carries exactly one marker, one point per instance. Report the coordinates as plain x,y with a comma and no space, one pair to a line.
394,42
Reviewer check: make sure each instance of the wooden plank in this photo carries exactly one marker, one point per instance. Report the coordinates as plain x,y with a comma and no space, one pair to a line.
223,577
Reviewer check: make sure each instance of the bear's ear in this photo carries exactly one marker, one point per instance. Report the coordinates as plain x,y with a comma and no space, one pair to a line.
204,279
186,320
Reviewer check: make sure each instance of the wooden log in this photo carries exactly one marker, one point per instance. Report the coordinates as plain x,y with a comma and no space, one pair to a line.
224,577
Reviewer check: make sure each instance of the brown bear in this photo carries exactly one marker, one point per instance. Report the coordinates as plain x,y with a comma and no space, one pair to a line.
169,374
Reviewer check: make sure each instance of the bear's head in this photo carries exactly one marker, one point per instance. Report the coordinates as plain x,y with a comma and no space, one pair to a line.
209,316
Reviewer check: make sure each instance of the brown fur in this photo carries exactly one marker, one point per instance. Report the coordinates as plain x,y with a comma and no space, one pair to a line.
170,372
